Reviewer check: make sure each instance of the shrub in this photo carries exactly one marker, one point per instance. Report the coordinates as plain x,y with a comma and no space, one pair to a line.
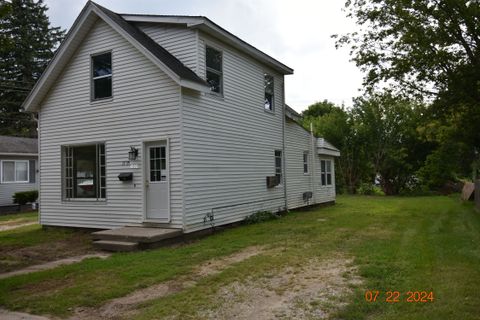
369,189
261,216
25,197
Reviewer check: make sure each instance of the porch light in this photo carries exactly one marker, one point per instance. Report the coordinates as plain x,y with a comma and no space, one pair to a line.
133,154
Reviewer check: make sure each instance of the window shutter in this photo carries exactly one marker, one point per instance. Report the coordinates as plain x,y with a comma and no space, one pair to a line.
33,170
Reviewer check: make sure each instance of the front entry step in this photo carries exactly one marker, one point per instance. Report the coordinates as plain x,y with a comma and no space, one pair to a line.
133,238
117,246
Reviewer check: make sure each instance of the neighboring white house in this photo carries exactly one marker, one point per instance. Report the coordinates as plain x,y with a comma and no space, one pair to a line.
193,115
18,167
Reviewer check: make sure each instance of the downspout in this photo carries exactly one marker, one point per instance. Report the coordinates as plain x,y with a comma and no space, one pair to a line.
283,146
314,158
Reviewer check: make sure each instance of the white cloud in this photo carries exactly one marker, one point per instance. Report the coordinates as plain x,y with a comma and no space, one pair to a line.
298,33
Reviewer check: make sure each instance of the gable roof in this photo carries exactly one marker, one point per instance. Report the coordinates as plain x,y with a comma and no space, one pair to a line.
90,13
156,49
208,26
18,146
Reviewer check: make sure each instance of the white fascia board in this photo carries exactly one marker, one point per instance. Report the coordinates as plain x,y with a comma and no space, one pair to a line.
163,19
328,152
194,86
34,97
243,46
139,47
210,28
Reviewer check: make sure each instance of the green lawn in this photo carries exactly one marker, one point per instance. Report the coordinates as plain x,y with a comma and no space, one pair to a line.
397,244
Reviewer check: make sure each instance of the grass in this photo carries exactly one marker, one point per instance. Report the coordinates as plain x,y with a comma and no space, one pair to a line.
398,244
31,244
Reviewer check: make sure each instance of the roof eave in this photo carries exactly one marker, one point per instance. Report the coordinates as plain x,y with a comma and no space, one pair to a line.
35,96
41,88
209,27
328,152
18,154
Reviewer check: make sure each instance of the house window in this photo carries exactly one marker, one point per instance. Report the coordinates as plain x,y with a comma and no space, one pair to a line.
278,165
102,76
268,85
15,171
326,172
214,70
84,172
305,162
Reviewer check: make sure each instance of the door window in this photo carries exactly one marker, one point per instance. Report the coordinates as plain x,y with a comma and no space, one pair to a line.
158,164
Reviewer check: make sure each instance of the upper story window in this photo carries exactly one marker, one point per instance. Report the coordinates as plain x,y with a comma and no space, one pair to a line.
102,76
326,172
15,171
305,162
268,84
214,69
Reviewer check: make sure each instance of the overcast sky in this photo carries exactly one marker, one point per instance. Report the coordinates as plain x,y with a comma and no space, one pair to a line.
295,32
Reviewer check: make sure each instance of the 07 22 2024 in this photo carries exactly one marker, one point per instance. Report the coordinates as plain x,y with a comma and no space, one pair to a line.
393,296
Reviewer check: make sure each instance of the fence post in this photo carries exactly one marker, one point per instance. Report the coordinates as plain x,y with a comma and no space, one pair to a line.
477,194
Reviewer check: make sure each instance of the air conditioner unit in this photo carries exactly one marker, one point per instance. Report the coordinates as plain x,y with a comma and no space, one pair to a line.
307,195
273,181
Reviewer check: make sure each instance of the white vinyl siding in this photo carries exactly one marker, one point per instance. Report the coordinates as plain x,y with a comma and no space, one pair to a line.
297,140
229,143
178,40
145,107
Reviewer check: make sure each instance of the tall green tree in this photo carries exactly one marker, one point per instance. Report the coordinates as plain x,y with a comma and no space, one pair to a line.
395,149
27,43
427,48
337,126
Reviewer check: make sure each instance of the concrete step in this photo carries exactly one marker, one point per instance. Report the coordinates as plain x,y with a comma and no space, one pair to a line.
117,246
143,235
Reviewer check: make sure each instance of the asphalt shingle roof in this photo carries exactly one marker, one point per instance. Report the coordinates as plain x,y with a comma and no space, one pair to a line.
157,50
18,145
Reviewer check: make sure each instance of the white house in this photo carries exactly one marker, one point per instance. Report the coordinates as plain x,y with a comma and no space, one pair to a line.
169,121
18,167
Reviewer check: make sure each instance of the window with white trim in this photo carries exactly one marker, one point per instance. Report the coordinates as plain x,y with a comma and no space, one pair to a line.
15,171
102,76
214,66
326,172
278,165
269,88
305,162
84,172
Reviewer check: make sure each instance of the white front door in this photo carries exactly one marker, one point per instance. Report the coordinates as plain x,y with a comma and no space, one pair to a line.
157,182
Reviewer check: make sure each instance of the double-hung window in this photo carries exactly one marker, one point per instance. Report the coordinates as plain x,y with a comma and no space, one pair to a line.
278,165
15,171
305,162
326,172
102,76
84,172
214,66
269,88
